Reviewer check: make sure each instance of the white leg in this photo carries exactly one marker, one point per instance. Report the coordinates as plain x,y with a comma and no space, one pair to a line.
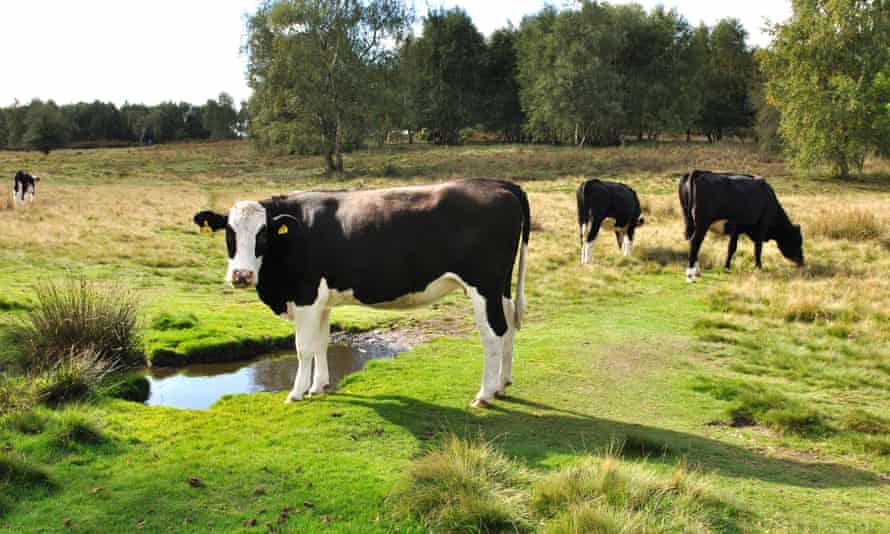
690,274
587,252
492,346
505,376
626,245
321,379
310,343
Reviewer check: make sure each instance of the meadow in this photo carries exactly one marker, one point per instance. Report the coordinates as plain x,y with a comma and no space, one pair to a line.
748,401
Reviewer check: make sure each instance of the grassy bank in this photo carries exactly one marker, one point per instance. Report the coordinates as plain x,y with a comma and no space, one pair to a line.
771,386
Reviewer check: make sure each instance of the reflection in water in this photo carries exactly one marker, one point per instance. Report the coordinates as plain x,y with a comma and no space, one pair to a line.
199,386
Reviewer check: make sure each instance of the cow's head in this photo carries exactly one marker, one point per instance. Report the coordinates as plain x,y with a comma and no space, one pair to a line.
250,232
791,244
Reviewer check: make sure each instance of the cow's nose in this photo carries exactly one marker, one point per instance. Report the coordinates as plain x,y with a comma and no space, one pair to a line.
242,277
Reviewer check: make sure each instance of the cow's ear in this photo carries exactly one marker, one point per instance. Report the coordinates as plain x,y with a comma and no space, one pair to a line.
641,221
210,221
283,225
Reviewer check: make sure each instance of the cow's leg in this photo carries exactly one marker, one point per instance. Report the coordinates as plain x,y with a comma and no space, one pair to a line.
593,229
758,250
694,246
505,376
618,239
733,243
309,344
492,324
321,380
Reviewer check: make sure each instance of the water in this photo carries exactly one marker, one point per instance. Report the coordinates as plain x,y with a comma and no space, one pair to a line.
198,386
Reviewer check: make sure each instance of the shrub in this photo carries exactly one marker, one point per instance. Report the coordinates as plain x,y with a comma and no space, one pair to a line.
76,315
465,486
127,386
852,223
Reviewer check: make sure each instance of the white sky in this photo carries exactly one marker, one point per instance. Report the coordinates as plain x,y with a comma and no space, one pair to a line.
148,51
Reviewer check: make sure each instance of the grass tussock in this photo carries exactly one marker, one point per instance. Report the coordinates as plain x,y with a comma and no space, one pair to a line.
604,494
468,486
19,472
77,315
78,375
25,422
174,321
72,429
464,486
859,420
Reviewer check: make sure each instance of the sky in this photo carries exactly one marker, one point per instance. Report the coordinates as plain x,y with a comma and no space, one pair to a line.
190,50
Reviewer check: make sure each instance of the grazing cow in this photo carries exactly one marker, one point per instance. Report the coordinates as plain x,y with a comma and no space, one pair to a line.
599,200
24,185
742,204
386,248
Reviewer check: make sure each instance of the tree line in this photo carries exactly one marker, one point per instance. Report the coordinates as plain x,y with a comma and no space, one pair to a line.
329,75
46,126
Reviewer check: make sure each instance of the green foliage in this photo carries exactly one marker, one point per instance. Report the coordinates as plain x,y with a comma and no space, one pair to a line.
46,127
824,70
501,109
444,69
77,317
309,63
72,429
220,119
25,421
127,386
174,321
76,376
728,70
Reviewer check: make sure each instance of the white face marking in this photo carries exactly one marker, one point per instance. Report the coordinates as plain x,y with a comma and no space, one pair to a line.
246,218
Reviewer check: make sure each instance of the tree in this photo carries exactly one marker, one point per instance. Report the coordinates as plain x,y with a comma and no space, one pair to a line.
15,125
824,68
4,132
46,128
502,110
220,117
727,74
444,68
308,64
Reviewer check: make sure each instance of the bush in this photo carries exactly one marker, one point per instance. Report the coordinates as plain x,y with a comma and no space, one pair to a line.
127,386
852,223
78,315
466,486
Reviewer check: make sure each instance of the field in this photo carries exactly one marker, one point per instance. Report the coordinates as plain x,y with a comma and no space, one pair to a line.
771,388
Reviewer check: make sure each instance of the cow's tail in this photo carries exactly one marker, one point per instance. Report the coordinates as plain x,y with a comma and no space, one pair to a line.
687,202
519,304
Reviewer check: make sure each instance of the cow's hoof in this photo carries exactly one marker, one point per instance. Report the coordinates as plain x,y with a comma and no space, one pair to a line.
293,398
480,403
508,383
501,394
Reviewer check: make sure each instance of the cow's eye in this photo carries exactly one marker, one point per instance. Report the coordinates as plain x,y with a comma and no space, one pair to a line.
261,242
230,241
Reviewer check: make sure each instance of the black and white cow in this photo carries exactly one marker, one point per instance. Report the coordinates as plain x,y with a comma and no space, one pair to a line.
386,248
24,186
742,204
599,200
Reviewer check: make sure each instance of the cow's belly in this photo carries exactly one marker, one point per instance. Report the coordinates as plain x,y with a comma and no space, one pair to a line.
434,291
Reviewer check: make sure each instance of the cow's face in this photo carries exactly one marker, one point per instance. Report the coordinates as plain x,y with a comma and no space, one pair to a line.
791,245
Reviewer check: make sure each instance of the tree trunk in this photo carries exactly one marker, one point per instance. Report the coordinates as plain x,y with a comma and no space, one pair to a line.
410,136
338,146
688,135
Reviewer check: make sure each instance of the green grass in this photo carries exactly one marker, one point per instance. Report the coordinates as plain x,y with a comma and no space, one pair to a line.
610,354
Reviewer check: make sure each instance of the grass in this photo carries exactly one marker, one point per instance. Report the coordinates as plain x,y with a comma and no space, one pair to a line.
610,353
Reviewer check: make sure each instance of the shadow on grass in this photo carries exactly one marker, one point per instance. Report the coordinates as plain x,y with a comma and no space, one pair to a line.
664,256
535,437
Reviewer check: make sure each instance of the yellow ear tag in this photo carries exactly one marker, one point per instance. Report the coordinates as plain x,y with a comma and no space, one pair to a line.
206,229
282,230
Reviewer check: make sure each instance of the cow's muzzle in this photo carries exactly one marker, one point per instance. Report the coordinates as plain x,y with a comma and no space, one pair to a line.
242,278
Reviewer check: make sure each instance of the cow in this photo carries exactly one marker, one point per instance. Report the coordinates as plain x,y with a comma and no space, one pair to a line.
384,248
599,200
24,185
742,204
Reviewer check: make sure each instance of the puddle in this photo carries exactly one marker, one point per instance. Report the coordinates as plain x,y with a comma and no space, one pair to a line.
198,386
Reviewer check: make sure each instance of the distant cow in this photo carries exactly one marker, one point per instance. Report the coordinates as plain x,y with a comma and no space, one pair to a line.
386,248
599,200
24,186
743,204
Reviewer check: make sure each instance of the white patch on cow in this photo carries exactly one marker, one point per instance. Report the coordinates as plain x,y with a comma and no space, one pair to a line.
246,218
690,274
587,252
435,290
626,245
